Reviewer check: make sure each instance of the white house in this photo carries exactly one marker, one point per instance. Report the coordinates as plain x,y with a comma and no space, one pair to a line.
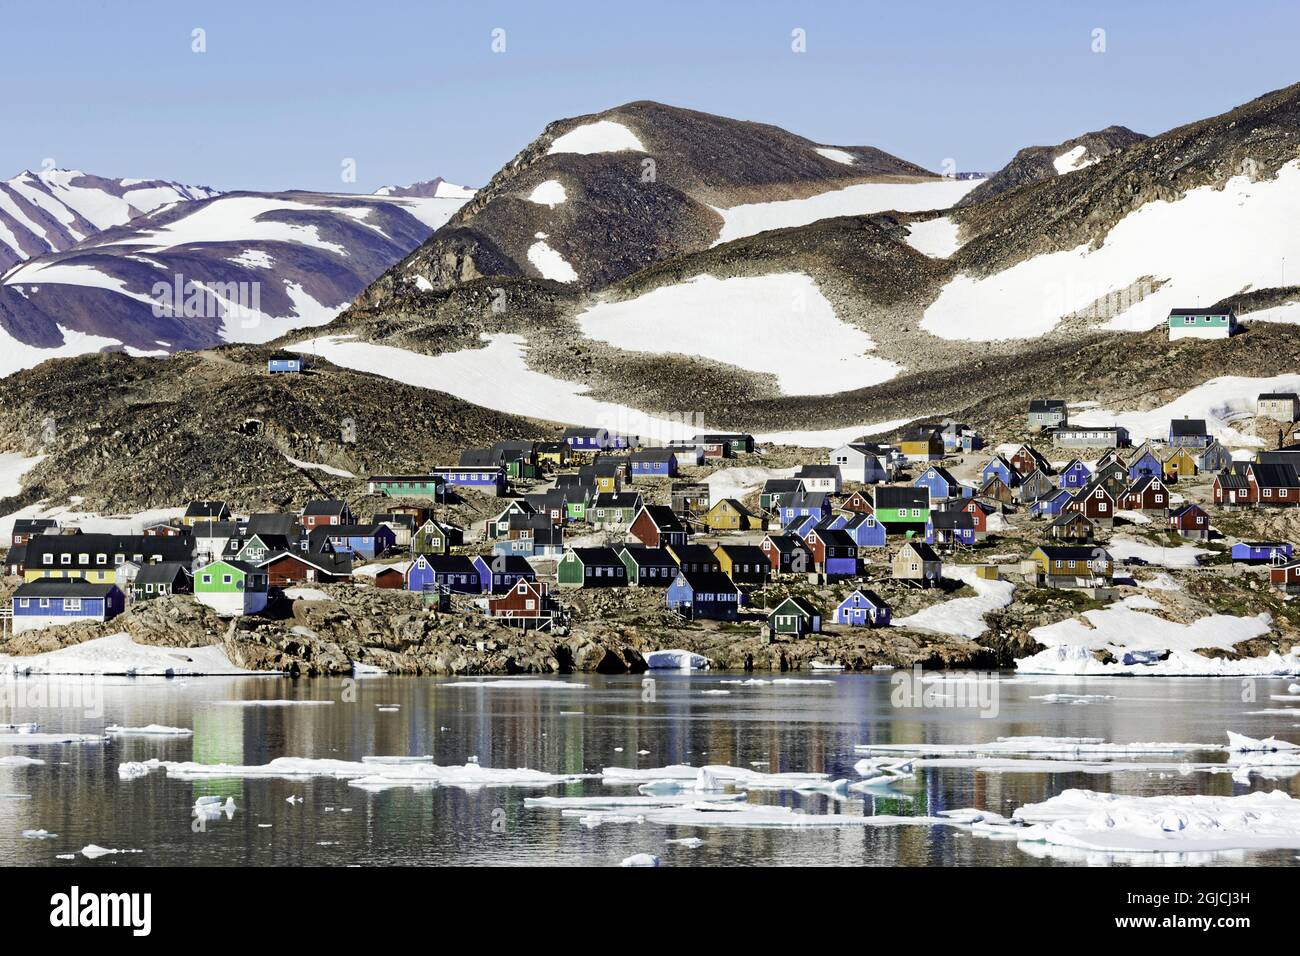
859,463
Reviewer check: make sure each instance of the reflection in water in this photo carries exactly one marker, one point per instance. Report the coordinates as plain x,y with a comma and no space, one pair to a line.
593,722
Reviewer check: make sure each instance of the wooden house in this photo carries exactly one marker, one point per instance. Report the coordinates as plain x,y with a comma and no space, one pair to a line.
690,498
1072,526
865,531
1261,552
1180,463
820,478
319,513
730,515
1190,521
1027,459
1092,436
499,573
922,444
1189,433
499,525
653,463
940,483
408,486
746,564
443,572
553,453
1035,485
1147,494
436,537
1071,566
1095,503
696,557
657,526
834,552
858,503
490,479
1286,578
1074,475
704,595
526,605
1201,323
804,504
231,588
917,562
161,580
53,602
794,617
1145,464
1047,413
995,489
901,508
1051,504
648,567
305,566
863,608
948,528
859,462
1214,457
1279,406
998,467
1273,485
197,511
787,554
614,510
591,568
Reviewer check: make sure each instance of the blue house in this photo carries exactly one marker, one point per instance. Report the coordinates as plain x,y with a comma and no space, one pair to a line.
863,609
1075,475
1262,552
432,572
941,483
1189,433
1051,505
704,594
501,572
367,541
482,477
832,522
999,467
654,463
48,602
865,531
1144,466
816,503
596,439
284,363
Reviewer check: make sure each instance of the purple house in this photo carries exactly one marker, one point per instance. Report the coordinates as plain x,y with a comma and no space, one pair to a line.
816,503
865,531
1144,466
1075,475
1262,552
499,573
863,609
433,572
941,483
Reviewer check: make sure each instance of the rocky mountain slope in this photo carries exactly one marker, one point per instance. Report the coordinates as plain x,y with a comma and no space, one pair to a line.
1036,163
597,197
237,267
54,209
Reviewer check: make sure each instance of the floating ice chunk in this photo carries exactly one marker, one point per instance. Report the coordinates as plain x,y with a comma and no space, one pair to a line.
17,761
522,682
676,660
149,730
1088,820
134,769
640,859
366,670
470,775
713,777
427,758
34,738
1038,746
38,835
209,807
93,852
1240,743
691,843
645,801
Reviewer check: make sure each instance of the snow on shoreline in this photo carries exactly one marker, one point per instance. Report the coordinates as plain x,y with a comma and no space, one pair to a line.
117,654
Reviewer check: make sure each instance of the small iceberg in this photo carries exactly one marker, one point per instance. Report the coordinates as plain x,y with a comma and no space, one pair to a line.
678,660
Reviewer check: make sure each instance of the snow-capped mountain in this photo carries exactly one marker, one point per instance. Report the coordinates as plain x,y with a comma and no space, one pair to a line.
436,188
53,210
235,267
595,198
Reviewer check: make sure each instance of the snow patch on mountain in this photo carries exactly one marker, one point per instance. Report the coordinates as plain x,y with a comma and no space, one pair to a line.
937,238
787,327
1253,230
837,155
858,200
602,136
1072,159
550,263
550,193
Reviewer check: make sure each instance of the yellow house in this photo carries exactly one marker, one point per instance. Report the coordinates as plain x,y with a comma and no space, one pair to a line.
556,452
730,515
744,563
1180,464
1073,566
96,558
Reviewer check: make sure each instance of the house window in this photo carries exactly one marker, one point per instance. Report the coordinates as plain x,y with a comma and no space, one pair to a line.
47,559
65,559
72,604
45,602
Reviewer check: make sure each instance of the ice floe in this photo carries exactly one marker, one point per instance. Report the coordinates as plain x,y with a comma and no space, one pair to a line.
676,659
149,730
117,654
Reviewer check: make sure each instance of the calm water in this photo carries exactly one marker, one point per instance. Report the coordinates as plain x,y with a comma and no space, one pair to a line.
811,727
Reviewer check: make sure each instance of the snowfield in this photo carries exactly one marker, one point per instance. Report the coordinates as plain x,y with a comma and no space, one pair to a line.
1222,402
118,654
1253,225
860,200
1072,159
936,238
837,155
777,324
550,263
962,617
550,193
602,136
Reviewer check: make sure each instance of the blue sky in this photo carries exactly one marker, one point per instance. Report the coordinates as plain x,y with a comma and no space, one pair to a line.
288,90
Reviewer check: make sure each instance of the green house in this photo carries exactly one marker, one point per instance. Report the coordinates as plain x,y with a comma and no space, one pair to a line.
591,568
902,508
434,537
1201,323
231,588
407,486
794,616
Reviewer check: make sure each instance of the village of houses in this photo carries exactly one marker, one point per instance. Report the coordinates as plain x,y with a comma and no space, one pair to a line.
519,531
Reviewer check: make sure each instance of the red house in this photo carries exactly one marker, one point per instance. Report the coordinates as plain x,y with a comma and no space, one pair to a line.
1095,503
1027,460
526,605
1148,493
1287,577
657,526
1190,521
859,503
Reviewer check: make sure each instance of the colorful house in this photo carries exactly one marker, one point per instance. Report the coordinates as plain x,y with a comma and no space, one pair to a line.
863,608
526,605
704,595
367,541
794,617
950,528
1201,323
1035,485
776,492
1065,566
1286,578
436,537
1190,521
231,588
657,526
1181,463
921,445
690,498
917,562
160,580
326,511
696,557
499,573
653,463
999,467
443,572
486,478
56,601
96,557
730,515
834,553
1075,475
1189,433
1047,413
614,510
787,554
815,503
901,508
1145,494
1051,504
941,483
1072,526
1027,459
865,531
648,567
1261,552
407,486
1214,457
591,568
746,564
1145,465
284,362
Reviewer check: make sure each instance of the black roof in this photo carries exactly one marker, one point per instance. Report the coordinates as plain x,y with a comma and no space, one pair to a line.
1061,552
709,582
162,573
63,587
1180,427
273,523
818,471
664,518
212,509
1047,405
922,549
1205,311
653,454
901,496
1268,476
596,556
324,506
152,547
649,557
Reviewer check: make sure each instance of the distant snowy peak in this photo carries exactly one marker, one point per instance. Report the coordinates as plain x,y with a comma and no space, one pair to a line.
1036,163
240,266
53,210
437,188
